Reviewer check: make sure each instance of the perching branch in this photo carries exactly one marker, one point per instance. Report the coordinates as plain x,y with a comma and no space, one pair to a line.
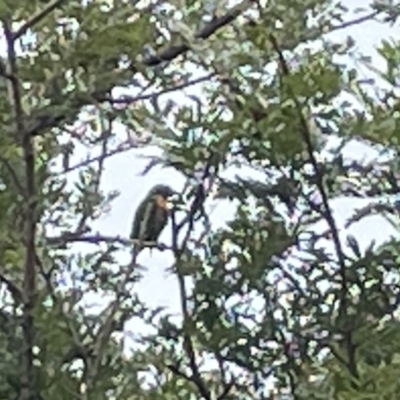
58,241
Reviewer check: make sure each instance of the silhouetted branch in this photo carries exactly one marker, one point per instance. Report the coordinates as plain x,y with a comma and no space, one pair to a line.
175,370
197,203
34,19
226,390
150,96
98,238
326,212
216,24
125,146
15,291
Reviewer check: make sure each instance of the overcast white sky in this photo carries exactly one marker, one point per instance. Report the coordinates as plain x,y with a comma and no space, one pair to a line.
122,174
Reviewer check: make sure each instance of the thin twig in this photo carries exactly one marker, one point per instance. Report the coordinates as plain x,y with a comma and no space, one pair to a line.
258,113
126,146
34,19
150,96
12,288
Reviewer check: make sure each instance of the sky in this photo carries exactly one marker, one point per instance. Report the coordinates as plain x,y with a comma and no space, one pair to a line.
122,173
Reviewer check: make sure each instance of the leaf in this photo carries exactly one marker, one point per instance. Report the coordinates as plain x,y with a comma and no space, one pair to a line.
353,244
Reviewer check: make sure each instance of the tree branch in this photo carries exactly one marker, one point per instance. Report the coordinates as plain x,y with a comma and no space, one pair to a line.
12,287
208,30
98,238
37,18
125,146
197,203
150,96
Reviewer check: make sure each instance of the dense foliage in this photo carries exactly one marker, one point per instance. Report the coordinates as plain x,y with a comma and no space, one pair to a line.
282,302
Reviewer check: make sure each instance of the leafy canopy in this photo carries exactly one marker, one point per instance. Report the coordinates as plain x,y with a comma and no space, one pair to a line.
281,302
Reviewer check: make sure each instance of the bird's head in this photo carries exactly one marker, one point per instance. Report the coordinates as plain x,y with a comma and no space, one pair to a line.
163,190
162,193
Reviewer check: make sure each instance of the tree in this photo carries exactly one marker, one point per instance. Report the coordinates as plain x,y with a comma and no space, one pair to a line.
280,303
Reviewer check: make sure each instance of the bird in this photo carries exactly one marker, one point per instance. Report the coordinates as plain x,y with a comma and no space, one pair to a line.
151,216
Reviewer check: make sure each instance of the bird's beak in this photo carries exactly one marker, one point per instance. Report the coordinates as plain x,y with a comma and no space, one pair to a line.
171,200
174,199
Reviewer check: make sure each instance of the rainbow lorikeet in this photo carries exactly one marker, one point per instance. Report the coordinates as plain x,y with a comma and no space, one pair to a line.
152,215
